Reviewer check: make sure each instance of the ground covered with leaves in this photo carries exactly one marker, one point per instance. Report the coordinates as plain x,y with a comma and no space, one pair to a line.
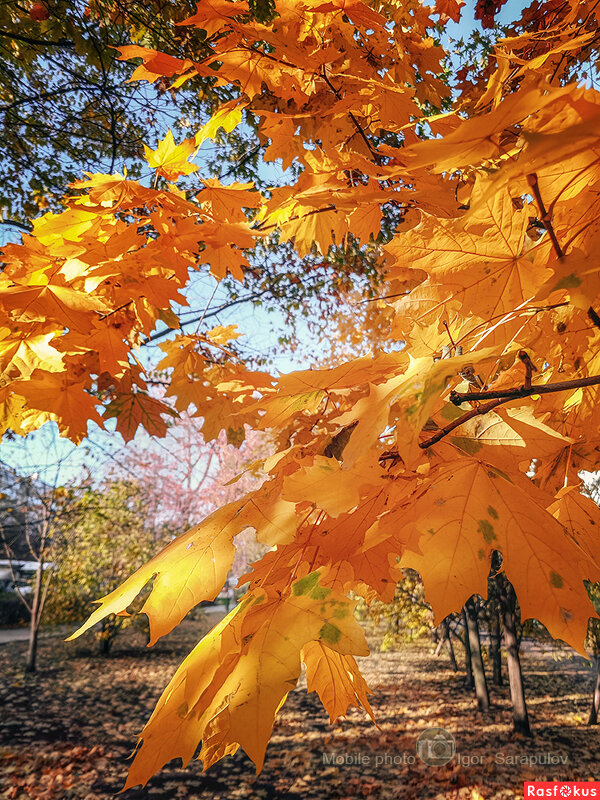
67,731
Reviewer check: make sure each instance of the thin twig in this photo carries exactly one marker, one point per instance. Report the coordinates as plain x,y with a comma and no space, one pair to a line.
375,155
496,399
546,220
529,368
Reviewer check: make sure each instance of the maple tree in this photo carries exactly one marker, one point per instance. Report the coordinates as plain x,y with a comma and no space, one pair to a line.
465,432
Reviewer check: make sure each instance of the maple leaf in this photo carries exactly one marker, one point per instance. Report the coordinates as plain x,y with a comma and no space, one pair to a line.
155,64
331,488
408,398
336,679
64,399
483,260
212,15
227,201
133,409
508,436
360,13
472,509
171,160
190,569
20,356
74,309
106,340
479,138
69,226
486,11
227,691
228,117
449,9
223,334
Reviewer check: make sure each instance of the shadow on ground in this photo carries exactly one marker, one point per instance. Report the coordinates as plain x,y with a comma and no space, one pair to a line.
66,732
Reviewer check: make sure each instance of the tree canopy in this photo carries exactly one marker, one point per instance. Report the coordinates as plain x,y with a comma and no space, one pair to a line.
68,106
66,102
462,432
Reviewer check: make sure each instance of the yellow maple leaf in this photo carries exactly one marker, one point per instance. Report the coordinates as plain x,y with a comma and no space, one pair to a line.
190,569
471,508
171,160
228,117
228,690
19,356
336,679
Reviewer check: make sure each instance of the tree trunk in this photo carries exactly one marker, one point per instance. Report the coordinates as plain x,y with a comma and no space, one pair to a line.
468,665
105,645
481,689
34,622
450,646
438,638
443,637
511,642
496,653
494,613
593,718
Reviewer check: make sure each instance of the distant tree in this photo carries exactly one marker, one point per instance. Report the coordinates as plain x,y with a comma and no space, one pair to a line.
106,533
30,510
593,646
408,616
184,478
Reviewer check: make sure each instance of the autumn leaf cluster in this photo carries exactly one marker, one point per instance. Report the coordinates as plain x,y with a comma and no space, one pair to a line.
465,434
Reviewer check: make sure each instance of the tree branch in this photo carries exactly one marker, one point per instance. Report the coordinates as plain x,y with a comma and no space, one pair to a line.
393,455
14,223
475,412
546,219
331,207
524,391
374,154
41,96
28,40
496,399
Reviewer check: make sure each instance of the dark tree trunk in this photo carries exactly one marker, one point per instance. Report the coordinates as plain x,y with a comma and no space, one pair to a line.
511,643
105,645
496,653
494,612
593,718
109,629
468,664
481,689
446,625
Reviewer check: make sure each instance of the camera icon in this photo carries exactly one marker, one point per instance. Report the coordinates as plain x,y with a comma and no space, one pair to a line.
435,747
